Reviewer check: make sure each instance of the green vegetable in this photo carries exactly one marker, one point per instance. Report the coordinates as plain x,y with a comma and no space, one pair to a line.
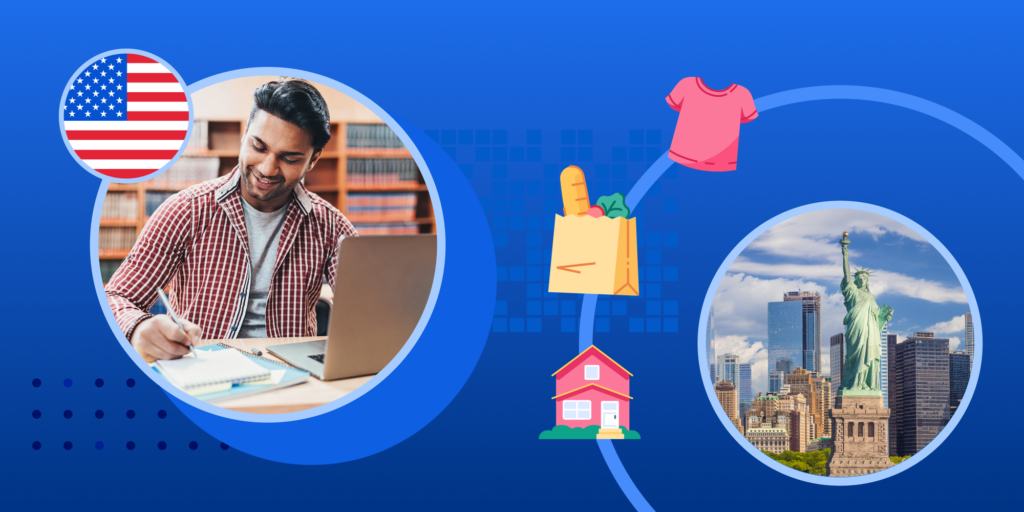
614,205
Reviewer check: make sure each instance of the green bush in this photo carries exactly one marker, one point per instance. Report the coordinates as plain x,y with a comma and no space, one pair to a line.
810,462
896,459
589,432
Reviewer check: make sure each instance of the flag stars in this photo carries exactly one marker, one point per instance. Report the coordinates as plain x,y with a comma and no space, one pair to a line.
79,93
119,100
95,93
118,73
103,73
103,60
119,87
111,66
86,114
95,80
111,80
103,114
72,114
95,66
72,100
119,60
87,100
95,107
87,73
87,87
103,100
111,93
79,107
79,80
111,106
104,87
118,113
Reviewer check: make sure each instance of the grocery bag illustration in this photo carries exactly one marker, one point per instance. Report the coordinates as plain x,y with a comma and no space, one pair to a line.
594,249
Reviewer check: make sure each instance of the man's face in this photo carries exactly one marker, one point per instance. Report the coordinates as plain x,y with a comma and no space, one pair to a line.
274,156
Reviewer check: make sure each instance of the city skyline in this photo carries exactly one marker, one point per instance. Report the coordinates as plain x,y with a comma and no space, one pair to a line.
802,254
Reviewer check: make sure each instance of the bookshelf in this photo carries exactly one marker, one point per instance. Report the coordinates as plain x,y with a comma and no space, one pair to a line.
330,179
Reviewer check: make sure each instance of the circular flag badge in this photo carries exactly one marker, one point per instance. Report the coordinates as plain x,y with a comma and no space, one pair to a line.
125,115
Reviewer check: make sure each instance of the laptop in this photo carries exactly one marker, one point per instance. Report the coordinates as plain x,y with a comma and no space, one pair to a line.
381,289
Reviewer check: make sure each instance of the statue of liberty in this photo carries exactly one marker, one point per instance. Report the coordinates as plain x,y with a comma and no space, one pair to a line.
864,322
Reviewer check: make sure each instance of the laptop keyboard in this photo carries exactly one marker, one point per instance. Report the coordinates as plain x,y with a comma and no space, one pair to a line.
318,358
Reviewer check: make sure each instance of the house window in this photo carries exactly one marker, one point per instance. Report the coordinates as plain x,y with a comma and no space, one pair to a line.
576,410
591,372
871,429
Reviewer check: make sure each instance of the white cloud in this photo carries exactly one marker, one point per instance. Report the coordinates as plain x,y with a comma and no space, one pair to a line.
815,236
954,343
956,325
753,352
881,282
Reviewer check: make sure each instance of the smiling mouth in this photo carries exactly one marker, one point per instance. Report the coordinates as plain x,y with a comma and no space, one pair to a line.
263,181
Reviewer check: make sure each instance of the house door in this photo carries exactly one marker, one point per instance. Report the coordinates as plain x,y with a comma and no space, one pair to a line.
609,415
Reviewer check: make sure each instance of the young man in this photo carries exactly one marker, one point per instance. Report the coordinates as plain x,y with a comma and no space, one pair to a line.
245,255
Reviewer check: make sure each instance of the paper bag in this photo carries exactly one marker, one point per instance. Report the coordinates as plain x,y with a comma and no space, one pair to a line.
594,255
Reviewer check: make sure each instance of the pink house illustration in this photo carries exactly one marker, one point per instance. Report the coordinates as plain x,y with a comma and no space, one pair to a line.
592,389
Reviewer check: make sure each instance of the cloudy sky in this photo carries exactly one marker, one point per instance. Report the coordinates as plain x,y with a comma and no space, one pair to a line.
803,253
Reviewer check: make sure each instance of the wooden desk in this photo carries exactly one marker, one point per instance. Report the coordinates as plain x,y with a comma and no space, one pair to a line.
314,392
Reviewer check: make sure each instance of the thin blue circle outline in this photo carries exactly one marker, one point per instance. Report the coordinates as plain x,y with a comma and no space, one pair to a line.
817,93
409,344
67,143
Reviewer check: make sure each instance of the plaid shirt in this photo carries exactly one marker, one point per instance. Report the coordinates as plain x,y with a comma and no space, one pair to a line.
196,241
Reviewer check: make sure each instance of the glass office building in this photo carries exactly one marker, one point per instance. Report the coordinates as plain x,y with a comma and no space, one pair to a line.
785,335
883,374
969,336
709,341
811,324
775,381
959,376
728,369
746,391
923,364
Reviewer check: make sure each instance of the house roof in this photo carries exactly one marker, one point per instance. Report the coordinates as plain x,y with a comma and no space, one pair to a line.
587,351
581,388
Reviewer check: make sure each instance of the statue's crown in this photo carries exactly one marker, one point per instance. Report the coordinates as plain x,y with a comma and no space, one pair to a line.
864,271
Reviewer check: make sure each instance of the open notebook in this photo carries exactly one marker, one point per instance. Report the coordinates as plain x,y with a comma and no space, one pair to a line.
211,368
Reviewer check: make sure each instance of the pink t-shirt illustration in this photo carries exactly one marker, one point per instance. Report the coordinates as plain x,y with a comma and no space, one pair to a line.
707,134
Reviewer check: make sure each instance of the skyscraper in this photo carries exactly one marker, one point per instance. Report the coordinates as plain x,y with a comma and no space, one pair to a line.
726,393
709,340
959,375
836,358
894,392
883,372
818,394
811,324
728,369
746,392
969,335
923,365
785,335
775,380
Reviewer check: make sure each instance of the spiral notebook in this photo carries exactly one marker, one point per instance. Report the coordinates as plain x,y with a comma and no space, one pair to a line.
210,368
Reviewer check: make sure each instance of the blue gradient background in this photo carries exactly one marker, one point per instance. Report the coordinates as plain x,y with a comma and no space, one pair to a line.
579,76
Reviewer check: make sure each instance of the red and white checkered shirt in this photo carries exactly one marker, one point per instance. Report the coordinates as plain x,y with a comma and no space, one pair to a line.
196,242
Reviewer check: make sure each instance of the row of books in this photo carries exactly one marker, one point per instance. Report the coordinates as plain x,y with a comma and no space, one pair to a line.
200,140
120,205
187,171
363,207
116,238
382,172
387,229
155,199
372,136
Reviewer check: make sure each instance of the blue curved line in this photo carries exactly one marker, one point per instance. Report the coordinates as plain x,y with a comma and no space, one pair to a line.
899,99
765,103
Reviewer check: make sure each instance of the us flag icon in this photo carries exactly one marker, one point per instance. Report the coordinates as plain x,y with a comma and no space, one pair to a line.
126,115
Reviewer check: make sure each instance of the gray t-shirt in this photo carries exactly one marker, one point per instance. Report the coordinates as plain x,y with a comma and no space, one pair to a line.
264,231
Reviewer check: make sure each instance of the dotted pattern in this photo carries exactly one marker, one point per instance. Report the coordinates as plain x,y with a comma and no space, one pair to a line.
516,176
99,445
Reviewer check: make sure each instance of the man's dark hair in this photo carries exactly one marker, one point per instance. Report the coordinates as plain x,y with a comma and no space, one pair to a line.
298,103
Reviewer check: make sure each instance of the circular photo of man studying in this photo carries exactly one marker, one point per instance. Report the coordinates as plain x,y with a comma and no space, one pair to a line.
284,260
